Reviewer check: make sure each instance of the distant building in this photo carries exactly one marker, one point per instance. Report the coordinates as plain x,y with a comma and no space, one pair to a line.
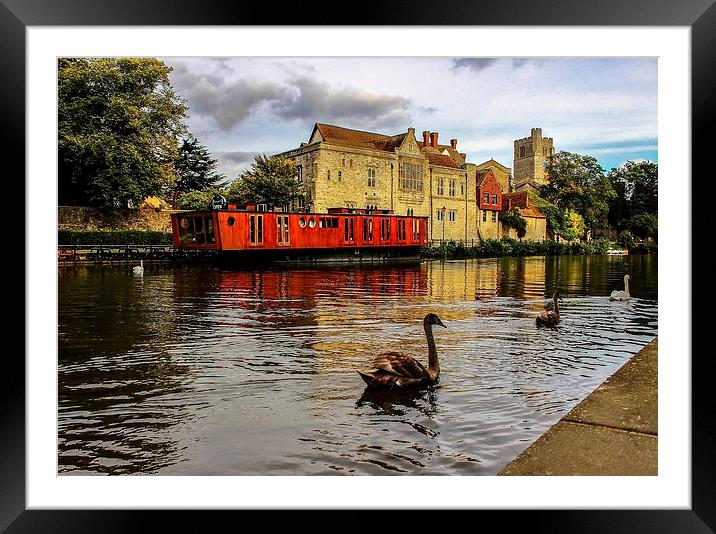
489,204
502,174
536,220
356,169
530,158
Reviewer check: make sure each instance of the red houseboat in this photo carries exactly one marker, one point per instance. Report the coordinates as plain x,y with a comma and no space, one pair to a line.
340,234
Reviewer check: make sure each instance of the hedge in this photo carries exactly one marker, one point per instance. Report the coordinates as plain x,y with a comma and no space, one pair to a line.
490,248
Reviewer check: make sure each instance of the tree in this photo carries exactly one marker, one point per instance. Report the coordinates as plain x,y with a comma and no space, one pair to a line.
270,180
118,123
637,188
579,183
643,225
195,168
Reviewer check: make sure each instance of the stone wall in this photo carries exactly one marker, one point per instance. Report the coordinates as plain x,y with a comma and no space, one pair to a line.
83,218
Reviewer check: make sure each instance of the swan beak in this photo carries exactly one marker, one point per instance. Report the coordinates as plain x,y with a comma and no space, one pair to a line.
441,323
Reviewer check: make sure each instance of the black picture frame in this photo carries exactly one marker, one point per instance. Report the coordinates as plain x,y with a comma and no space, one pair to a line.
699,15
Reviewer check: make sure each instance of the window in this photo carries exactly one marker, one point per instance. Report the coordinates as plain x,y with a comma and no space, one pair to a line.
544,151
328,222
282,230
522,152
384,229
494,216
367,230
401,230
350,163
416,230
302,222
339,176
348,229
256,229
462,189
484,215
371,207
452,188
299,173
199,230
494,199
301,201
411,212
441,186
371,177
230,221
486,198
343,161
452,215
329,175
441,215
311,222
410,176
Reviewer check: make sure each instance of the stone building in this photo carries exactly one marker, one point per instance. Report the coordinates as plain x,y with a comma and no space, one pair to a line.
489,204
502,174
536,220
343,167
530,158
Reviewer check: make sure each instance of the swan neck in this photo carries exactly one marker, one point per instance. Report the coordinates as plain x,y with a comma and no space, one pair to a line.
626,286
556,306
433,363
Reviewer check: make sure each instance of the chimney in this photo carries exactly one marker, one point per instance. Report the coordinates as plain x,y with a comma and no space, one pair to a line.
453,144
434,139
426,138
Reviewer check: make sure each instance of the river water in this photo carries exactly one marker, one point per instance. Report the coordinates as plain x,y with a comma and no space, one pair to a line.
199,370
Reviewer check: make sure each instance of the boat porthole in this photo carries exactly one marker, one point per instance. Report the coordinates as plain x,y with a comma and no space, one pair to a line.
231,221
312,222
302,222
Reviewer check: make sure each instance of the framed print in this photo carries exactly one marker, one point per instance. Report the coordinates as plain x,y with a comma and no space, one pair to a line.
166,371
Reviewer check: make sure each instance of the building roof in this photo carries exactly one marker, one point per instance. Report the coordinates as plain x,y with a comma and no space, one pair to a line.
520,199
338,135
493,163
441,159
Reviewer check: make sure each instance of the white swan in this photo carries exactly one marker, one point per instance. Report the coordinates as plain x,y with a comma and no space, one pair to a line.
621,295
139,269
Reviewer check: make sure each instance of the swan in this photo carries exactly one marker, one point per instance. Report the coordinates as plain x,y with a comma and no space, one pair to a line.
550,317
139,269
621,295
397,370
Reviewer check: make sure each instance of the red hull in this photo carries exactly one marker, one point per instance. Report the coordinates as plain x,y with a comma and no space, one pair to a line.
233,230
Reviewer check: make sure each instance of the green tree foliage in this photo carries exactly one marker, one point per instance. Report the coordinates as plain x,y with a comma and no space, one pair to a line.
643,225
513,219
199,200
270,180
578,183
637,189
118,122
195,168
567,224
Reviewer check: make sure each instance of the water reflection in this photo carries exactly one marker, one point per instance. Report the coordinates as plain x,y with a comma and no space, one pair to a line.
200,370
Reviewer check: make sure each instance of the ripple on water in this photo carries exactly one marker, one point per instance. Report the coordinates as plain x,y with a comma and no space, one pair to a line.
208,371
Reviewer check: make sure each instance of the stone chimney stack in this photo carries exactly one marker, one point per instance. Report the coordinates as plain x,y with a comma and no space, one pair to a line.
426,138
453,143
434,139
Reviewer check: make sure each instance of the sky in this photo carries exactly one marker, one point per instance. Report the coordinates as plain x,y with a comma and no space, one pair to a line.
603,107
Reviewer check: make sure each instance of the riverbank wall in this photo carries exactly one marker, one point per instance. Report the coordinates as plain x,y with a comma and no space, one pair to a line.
613,431
78,218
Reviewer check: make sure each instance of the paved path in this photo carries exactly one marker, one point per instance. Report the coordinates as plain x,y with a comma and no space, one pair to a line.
614,431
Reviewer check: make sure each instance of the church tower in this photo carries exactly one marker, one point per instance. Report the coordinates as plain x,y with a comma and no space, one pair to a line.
531,156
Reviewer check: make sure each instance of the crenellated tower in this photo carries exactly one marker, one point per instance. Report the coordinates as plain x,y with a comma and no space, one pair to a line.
531,156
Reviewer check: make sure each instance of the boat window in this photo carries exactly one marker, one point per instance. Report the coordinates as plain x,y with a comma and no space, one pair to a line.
311,222
302,222
256,229
367,230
